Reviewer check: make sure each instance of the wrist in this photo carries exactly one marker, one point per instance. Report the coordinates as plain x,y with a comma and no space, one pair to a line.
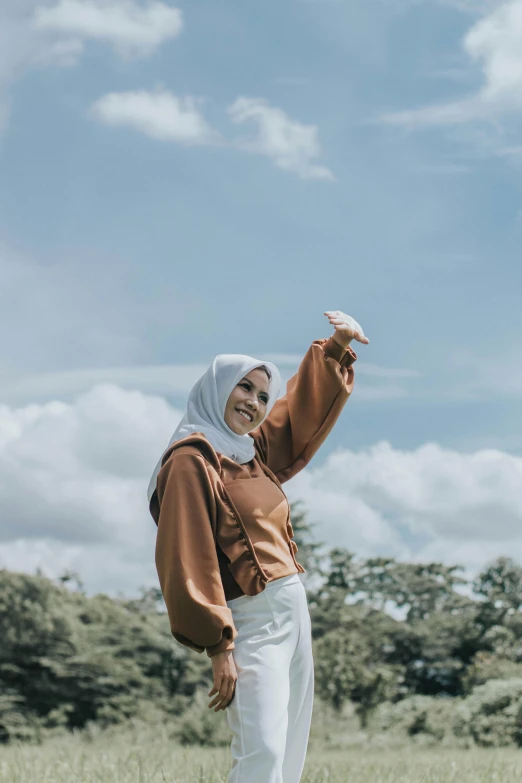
344,342
219,654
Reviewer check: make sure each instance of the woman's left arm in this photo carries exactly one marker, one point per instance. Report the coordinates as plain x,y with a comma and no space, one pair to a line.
301,420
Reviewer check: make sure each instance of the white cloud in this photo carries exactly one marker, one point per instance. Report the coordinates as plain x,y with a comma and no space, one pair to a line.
382,383
427,503
43,33
74,471
73,479
163,116
104,568
159,115
291,145
166,379
495,43
133,28
496,40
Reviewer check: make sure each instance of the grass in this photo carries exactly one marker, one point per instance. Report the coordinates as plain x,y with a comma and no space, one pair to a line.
133,758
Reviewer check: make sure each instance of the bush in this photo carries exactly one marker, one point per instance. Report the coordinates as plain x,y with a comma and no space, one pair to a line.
15,721
487,666
492,714
200,725
67,660
423,718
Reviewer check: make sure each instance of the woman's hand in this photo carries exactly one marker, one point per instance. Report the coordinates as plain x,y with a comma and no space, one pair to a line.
346,328
225,676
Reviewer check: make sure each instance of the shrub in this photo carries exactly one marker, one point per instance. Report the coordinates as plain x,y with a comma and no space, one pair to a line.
425,718
15,721
200,725
67,660
492,714
487,666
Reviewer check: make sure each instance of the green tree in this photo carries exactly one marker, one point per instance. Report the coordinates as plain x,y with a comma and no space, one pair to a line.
360,661
420,588
309,555
500,588
501,584
67,659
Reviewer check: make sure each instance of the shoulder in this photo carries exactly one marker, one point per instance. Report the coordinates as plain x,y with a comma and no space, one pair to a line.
193,453
187,481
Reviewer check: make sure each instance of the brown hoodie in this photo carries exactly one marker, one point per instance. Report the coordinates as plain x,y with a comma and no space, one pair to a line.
224,529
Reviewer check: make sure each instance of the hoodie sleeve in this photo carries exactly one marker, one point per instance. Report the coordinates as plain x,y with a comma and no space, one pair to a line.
186,557
300,421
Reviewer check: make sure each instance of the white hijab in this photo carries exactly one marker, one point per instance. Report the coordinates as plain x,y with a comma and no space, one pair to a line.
206,408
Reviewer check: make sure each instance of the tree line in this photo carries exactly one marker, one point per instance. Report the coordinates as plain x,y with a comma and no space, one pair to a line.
397,640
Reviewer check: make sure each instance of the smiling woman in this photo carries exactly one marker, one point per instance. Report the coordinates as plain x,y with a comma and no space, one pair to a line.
225,553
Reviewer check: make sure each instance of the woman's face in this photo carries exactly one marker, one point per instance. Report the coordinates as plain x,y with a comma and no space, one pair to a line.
250,396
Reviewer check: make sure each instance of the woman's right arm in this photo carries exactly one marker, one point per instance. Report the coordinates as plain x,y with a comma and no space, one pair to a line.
186,557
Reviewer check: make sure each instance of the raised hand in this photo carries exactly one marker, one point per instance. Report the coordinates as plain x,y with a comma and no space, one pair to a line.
346,328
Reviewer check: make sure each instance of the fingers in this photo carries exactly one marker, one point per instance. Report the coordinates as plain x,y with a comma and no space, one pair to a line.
224,693
230,692
361,338
217,697
227,692
344,322
333,316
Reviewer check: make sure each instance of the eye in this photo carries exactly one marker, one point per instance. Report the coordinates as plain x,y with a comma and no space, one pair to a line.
263,397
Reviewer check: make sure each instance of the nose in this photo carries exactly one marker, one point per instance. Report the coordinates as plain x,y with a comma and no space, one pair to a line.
253,403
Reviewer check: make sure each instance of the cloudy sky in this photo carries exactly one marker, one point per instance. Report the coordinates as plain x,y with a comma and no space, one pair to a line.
182,180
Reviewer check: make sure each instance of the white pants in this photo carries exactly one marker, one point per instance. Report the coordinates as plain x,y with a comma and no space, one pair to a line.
271,710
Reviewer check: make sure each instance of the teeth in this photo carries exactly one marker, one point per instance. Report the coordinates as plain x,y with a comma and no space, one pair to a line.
245,415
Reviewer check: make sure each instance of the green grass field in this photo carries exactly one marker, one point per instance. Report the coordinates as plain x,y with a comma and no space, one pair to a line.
125,758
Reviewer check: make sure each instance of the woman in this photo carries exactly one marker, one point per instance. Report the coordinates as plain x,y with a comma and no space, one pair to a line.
225,553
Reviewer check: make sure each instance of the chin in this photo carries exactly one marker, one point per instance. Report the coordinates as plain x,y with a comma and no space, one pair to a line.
246,431
236,431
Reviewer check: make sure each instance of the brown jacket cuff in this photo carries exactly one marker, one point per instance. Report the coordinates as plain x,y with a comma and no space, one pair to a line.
332,350
225,644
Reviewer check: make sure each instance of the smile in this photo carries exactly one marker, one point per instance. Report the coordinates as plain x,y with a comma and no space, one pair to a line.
244,414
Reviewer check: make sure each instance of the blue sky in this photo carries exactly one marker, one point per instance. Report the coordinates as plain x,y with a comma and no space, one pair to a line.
178,181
